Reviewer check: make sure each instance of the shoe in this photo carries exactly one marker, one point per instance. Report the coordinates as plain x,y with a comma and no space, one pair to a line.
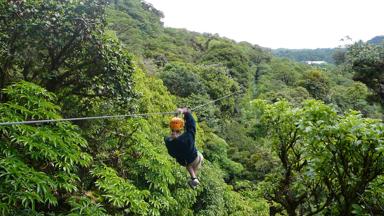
193,183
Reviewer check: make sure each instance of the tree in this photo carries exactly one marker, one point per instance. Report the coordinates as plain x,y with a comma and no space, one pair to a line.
339,56
182,80
289,187
61,45
218,82
367,60
39,164
216,151
232,57
351,97
348,155
317,84
329,162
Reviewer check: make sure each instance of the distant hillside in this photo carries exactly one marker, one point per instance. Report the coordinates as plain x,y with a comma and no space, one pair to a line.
321,54
302,55
376,40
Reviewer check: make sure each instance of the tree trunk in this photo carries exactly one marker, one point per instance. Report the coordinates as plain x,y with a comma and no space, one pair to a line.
347,208
4,77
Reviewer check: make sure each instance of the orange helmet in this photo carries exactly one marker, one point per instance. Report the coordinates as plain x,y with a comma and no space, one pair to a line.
176,123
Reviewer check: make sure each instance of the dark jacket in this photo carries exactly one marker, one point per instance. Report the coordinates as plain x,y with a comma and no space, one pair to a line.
183,147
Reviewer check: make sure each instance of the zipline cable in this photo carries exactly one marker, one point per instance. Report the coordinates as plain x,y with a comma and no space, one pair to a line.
84,118
213,101
111,116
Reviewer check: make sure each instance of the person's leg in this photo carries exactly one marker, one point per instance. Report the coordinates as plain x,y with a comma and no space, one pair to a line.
193,182
191,171
197,164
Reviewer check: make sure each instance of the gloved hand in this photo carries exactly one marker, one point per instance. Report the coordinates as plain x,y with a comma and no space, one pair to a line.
182,110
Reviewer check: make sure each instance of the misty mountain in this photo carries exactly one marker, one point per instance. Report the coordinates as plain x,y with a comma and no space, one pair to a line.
376,40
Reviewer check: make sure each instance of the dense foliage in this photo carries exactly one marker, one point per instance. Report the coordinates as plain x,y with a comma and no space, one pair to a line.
294,140
327,161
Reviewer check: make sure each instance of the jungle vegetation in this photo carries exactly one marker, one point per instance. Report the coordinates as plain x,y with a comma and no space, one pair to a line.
298,140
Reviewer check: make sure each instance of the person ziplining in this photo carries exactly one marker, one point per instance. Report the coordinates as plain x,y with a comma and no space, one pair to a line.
181,146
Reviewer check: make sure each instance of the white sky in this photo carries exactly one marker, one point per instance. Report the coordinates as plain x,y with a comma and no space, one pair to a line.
278,23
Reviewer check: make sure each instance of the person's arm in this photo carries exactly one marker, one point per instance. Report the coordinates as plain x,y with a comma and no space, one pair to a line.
170,151
190,124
